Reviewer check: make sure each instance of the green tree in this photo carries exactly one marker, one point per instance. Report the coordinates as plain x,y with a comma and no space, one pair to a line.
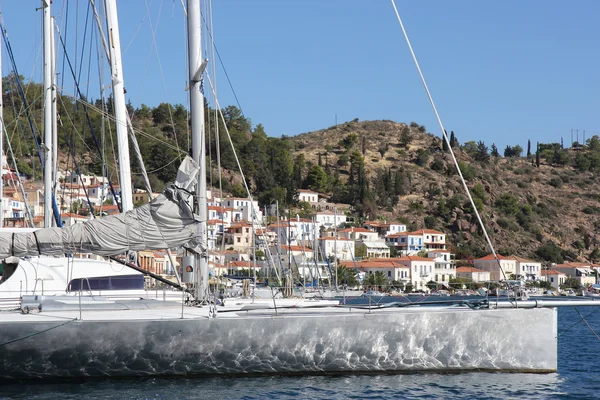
316,179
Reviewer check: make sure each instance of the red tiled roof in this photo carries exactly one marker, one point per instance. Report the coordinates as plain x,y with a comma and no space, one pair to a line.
551,272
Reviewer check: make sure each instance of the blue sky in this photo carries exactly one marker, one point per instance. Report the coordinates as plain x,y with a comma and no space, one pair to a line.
499,71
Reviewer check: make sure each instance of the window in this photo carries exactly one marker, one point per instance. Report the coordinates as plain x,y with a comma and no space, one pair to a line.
238,240
389,274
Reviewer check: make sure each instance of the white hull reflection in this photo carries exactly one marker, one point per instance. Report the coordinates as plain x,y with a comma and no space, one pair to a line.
152,339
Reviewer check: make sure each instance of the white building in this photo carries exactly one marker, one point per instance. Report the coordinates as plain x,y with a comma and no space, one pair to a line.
329,219
556,278
308,196
527,269
340,248
445,269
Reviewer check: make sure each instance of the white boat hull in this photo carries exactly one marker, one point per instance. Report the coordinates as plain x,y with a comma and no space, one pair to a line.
159,342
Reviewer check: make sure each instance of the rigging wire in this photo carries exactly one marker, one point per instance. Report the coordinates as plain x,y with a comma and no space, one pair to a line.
439,120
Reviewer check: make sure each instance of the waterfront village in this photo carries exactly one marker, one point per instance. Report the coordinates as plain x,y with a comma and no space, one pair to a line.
420,260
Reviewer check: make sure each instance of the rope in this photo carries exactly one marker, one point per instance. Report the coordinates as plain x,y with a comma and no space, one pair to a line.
36,333
582,319
587,323
439,120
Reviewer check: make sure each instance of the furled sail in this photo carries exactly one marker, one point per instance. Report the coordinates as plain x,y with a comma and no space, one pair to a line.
166,222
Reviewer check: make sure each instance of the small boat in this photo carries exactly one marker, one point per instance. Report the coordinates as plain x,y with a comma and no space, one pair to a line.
592,291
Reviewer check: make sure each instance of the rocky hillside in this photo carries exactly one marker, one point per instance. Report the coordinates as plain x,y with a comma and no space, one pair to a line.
547,212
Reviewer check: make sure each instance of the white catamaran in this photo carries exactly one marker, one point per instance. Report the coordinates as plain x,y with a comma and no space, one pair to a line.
81,335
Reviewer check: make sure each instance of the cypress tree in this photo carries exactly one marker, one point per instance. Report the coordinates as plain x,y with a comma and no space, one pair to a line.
528,148
444,142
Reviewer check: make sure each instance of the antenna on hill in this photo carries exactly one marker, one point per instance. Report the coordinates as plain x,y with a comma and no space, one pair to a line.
336,119
584,136
571,137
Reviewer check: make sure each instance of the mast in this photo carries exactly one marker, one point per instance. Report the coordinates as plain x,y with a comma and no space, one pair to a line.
54,109
196,69
119,104
1,145
47,27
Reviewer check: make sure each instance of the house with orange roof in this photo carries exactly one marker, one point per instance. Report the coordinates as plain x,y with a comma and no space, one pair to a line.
69,219
393,270
500,269
220,213
406,243
293,256
422,270
239,235
473,274
235,267
215,229
555,277
385,229
582,272
433,240
156,262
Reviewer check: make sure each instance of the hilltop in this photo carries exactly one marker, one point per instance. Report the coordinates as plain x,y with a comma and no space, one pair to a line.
544,212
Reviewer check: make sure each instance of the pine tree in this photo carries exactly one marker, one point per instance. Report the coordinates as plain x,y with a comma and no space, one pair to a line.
494,152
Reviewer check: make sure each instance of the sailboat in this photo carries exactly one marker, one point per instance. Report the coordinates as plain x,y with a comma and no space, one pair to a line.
37,273
85,336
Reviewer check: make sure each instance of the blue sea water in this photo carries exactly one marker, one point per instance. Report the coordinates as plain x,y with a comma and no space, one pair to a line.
577,378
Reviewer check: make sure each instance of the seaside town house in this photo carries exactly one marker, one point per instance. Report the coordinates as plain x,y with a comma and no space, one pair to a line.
291,256
406,243
433,240
299,230
242,209
490,264
582,272
341,248
220,213
12,209
421,270
473,274
390,268
556,278
239,236
156,262
308,196
444,269
329,219
528,270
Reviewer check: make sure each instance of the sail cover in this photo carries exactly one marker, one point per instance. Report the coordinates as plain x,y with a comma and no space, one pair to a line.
166,222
